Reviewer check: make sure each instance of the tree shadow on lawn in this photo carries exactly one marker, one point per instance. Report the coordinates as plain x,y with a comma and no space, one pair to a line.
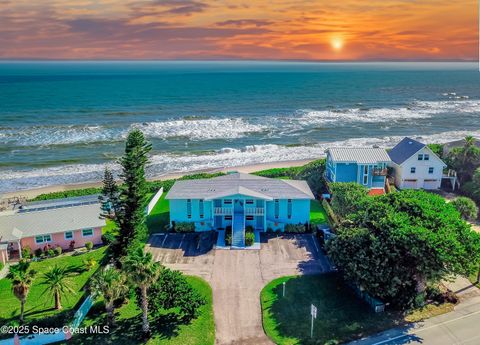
341,316
129,331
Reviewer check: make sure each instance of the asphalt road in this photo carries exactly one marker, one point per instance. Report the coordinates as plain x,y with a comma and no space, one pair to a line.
460,327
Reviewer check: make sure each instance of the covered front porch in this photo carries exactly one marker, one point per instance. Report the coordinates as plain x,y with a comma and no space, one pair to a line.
10,251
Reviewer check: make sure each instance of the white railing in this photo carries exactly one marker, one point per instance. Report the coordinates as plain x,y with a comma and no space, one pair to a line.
218,211
255,211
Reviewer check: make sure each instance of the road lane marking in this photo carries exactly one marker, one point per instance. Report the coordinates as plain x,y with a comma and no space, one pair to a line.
426,328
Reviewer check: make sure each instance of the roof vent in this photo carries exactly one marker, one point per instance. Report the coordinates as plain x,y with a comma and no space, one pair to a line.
211,190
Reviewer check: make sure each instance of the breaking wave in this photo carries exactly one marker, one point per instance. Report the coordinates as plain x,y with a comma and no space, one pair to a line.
200,129
162,164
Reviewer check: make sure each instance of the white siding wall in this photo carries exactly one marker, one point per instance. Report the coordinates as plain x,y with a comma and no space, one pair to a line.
421,172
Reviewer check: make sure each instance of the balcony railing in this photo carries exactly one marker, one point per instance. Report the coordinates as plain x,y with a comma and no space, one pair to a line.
221,211
380,172
254,211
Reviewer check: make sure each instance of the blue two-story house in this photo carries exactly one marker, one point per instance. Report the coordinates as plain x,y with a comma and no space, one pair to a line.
366,166
239,200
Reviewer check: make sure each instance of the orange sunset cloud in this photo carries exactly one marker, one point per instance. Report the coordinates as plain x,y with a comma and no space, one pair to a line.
213,29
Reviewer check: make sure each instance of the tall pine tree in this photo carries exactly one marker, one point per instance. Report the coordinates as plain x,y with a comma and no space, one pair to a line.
130,215
109,197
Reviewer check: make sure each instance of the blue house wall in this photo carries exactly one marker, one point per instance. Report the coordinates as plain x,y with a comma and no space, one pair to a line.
353,172
294,212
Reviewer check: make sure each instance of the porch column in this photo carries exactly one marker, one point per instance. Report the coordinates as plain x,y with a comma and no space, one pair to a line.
19,249
264,215
212,213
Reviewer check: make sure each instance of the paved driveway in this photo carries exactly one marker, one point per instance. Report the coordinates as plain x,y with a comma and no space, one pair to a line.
238,276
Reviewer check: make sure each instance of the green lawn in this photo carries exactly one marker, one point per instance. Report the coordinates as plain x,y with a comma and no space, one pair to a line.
109,227
341,315
160,216
167,330
40,305
317,213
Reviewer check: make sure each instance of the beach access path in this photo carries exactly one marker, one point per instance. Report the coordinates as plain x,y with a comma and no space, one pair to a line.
238,276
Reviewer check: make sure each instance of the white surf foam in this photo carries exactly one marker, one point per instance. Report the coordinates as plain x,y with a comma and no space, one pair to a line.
203,129
223,158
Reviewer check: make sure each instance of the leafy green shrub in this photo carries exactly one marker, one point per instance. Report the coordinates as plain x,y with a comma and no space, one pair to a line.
249,239
249,228
89,263
184,227
347,198
58,250
108,238
295,228
26,252
67,194
51,252
38,252
173,292
467,207
415,235
228,235
331,215
89,245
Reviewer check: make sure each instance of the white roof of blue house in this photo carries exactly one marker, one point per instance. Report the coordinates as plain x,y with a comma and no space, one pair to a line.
405,149
240,183
360,155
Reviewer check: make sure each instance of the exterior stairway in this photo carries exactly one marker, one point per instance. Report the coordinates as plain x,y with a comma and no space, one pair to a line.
238,231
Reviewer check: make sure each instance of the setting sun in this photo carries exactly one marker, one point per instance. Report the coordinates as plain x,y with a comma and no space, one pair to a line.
336,43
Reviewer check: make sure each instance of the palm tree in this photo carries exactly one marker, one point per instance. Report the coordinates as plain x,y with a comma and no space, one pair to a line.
109,283
22,279
58,283
142,272
465,158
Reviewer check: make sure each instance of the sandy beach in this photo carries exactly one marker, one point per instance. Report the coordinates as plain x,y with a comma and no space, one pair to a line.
32,193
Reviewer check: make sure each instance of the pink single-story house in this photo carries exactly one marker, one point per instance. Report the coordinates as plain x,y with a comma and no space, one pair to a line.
62,223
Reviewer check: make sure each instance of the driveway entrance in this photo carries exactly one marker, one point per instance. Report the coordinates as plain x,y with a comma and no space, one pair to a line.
238,276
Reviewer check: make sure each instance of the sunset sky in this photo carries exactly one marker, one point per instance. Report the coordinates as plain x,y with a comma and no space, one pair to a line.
228,29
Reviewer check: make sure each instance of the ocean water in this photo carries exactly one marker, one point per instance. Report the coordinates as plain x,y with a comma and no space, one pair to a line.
61,122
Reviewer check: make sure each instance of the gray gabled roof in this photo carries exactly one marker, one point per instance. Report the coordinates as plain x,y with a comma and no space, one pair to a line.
15,225
404,150
240,183
361,155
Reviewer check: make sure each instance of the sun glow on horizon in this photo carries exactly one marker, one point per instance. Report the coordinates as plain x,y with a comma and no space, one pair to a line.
337,43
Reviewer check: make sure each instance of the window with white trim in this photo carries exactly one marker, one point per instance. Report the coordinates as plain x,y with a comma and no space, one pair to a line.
249,201
87,232
249,217
43,239
201,208
289,208
189,208
426,157
365,174
430,170
227,201
420,157
277,208
413,170
68,235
